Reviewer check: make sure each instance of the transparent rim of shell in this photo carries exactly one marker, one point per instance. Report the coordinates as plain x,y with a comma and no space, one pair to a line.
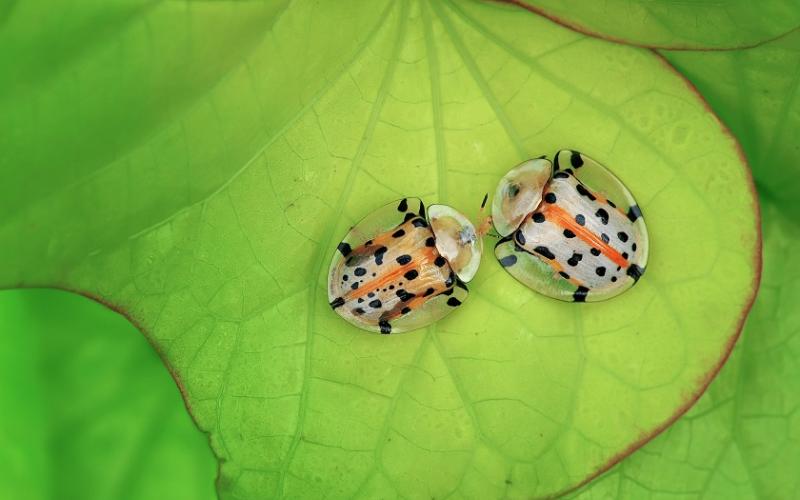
518,194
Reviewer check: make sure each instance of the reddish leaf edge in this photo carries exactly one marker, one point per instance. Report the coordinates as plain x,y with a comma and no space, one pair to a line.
119,309
705,380
580,28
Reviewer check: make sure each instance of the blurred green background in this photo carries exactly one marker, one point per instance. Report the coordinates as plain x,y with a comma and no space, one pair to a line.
88,410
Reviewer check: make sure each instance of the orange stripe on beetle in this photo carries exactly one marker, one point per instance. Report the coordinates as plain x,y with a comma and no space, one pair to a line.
559,216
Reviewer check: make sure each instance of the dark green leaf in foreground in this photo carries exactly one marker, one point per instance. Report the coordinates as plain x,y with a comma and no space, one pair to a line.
211,219
695,24
757,93
88,410
742,439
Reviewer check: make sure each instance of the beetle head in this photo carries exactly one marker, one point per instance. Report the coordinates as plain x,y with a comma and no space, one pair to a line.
519,193
457,240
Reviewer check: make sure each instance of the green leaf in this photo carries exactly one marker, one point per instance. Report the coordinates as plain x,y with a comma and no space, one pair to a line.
211,223
89,412
667,24
741,439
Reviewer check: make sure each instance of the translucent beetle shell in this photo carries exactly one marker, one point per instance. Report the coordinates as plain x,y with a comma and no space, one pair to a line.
401,268
573,232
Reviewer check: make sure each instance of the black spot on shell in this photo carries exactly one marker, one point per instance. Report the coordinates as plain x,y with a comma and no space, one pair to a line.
386,328
405,310
634,213
358,311
635,272
404,295
573,261
379,255
613,279
575,159
568,234
371,294
403,259
611,204
538,217
595,252
580,294
398,233
633,247
545,252
354,286
602,215
580,219
337,302
550,198
408,217
419,223
428,292
403,205
453,302
564,275
512,190
345,277
421,210
375,304
520,238
440,261
430,242
360,271
344,249
605,237
623,236
508,260
410,275
624,255
584,192
600,271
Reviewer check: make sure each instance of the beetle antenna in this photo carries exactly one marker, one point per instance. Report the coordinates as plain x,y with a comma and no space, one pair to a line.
485,222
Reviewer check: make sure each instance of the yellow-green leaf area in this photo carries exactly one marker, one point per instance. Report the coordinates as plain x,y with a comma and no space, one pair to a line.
213,229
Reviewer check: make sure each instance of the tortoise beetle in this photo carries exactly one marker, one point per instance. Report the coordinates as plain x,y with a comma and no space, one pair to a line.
573,232
402,268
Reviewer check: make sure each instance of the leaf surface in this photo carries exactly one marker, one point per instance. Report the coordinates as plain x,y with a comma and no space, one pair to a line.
666,24
213,226
742,438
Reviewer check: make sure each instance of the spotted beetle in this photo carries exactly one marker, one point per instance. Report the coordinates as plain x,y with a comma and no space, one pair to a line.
570,230
404,267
